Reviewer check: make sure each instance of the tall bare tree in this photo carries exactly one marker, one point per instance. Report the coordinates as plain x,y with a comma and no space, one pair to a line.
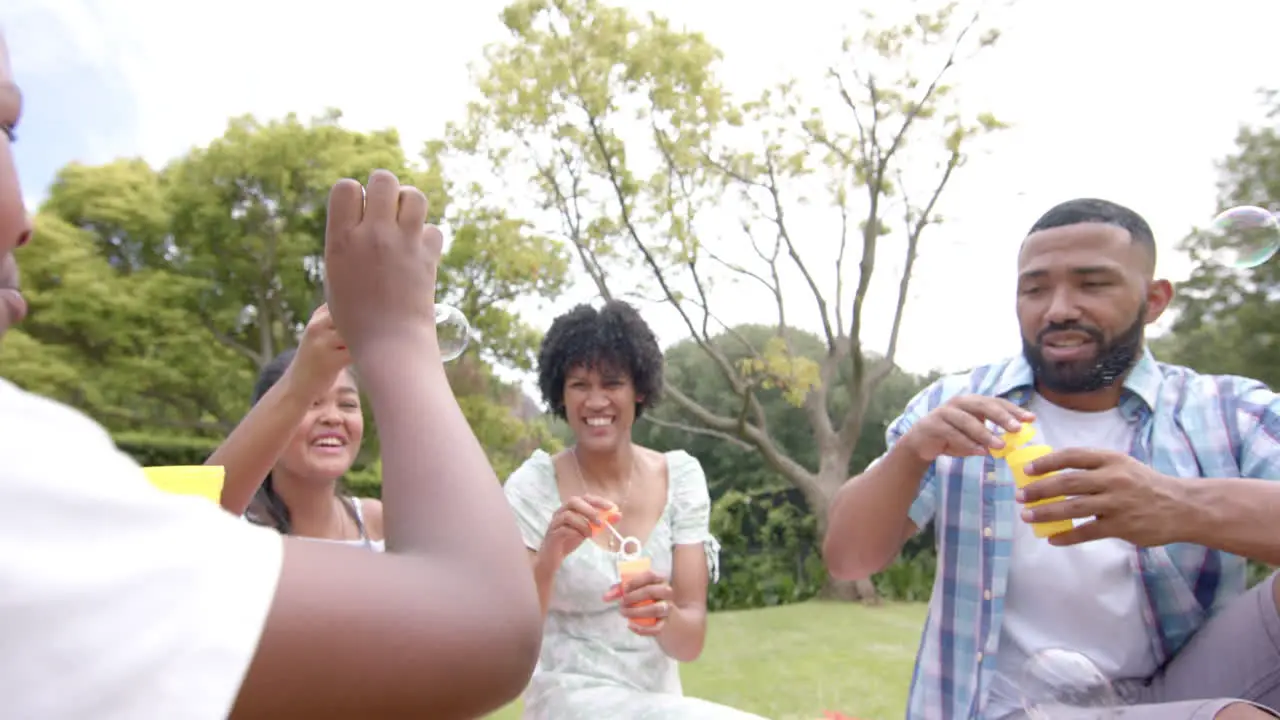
638,151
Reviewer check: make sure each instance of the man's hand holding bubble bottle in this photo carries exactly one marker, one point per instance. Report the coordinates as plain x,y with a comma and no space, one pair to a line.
1018,454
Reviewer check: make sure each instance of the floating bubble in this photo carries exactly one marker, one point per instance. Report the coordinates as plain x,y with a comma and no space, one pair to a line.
1062,684
1246,236
452,330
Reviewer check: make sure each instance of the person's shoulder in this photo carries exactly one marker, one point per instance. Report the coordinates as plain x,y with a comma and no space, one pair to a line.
25,415
371,509
681,466
991,379
48,447
1189,384
533,476
539,463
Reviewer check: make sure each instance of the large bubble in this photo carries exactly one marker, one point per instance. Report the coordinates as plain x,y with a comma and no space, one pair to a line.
1062,684
1246,236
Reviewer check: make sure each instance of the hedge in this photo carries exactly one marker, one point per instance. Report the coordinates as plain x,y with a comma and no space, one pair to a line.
153,450
156,450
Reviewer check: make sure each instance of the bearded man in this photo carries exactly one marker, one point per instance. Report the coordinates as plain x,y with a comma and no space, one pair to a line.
1164,473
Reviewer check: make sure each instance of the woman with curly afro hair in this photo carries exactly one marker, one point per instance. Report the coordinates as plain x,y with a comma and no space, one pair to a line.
612,651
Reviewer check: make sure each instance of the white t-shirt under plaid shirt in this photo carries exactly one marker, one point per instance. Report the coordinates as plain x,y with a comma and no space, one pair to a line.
1187,425
117,601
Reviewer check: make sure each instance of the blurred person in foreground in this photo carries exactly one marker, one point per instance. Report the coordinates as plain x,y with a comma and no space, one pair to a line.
1168,482
125,602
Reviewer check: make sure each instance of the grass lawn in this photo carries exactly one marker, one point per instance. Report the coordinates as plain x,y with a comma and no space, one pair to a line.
796,661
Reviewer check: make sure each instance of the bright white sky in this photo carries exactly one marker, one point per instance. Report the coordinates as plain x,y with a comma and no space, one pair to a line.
1126,100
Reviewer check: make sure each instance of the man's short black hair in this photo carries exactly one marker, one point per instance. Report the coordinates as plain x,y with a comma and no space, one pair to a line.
1093,210
614,337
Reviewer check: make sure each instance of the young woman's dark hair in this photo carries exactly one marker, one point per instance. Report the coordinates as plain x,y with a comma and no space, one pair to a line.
268,508
615,337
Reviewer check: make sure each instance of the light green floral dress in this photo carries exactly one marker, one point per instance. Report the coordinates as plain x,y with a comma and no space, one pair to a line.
592,667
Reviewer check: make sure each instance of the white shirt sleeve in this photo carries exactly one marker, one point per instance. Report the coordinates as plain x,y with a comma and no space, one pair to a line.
117,600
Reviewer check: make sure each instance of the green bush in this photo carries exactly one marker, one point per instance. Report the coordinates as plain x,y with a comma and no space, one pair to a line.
770,554
909,578
365,482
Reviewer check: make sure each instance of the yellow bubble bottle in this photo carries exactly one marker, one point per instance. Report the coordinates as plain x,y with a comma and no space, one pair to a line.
199,480
1018,453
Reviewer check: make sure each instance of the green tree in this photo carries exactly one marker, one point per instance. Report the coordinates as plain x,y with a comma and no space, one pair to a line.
158,294
119,346
634,147
771,546
1221,306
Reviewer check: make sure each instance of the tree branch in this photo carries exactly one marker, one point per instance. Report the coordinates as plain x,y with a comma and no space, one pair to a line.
720,360
756,435
232,343
784,232
863,384
773,455
696,430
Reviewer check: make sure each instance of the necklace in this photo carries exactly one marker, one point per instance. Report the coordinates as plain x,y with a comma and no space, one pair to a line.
626,492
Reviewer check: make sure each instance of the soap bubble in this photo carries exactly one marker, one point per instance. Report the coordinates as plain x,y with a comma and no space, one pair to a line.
1246,236
453,331
1062,684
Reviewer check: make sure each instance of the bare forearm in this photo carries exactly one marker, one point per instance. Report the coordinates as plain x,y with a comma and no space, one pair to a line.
685,633
867,523
544,576
1234,515
251,450
441,496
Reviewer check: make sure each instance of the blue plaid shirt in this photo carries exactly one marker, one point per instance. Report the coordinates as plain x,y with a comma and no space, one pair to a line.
1189,425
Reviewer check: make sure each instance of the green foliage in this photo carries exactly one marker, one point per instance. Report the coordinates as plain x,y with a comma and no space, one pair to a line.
734,466
150,450
157,294
366,482
769,536
768,553
116,344
909,578
1220,306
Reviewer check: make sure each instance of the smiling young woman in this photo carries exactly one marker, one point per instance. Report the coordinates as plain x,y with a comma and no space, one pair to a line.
285,461
611,651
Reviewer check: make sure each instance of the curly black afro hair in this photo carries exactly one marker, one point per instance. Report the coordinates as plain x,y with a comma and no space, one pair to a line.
615,337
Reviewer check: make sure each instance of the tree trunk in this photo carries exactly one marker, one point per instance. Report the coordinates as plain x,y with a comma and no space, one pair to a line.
863,591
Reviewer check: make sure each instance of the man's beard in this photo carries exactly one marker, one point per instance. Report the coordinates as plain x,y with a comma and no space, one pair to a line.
1110,363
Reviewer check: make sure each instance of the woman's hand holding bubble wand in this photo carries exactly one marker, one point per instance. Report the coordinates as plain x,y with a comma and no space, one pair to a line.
633,566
